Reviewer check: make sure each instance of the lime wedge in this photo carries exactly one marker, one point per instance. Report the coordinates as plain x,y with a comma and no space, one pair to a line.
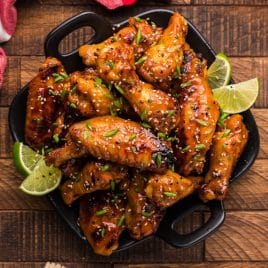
237,98
25,159
42,180
219,72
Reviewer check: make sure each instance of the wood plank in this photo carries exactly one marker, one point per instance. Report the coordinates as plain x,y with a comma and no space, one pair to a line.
226,29
42,265
230,2
11,81
11,198
198,265
5,137
243,237
41,236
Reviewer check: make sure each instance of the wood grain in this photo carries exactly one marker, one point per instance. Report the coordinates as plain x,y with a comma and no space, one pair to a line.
5,138
242,237
198,265
230,33
42,265
42,235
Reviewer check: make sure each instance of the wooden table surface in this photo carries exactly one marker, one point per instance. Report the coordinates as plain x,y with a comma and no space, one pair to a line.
31,231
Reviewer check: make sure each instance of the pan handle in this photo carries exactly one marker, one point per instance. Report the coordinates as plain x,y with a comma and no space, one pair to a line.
186,207
103,29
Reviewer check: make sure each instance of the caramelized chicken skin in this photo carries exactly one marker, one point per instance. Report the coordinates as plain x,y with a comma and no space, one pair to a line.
228,145
101,218
198,114
149,34
166,189
142,216
93,177
122,141
162,61
151,104
43,101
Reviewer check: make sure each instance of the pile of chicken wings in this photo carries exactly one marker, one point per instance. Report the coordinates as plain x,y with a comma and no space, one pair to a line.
134,132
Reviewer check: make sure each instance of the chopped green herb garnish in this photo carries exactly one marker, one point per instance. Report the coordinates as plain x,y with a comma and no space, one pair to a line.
138,19
221,119
59,77
38,120
138,36
171,138
186,84
147,214
229,157
98,81
64,75
110,64
202,122
108,96
149,100
112,112
121,221
73,90
110,87
119,89
172,167
112,185
105,168
170,113
114,39
161,135
152,23
101,212
170,194
143,114
56,138
226,133
185,149
111,133
55,124
88,125
158,160
178,70
133,136
200,146
140,60
53,93
118,103
72,105
145,125
63,93
103,231
86,134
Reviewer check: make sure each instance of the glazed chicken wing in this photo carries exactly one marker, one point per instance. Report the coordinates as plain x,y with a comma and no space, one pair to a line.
43,101
199,115
94,176
88,95
121,141
139,34
152,105
101,219
142,216
228,144
166,189
162,61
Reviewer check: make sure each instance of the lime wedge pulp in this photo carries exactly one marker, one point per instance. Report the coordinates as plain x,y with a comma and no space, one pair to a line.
25,158
219,72
42,180
237,98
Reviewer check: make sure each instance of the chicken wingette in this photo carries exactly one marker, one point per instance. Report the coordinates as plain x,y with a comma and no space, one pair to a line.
166,189
93,177
199,113
142,216
139,34
101,218
228,144
151,104
117,140
44,103
88,96
161,62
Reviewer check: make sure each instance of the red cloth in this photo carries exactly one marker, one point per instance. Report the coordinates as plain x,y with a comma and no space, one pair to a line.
8,20
112,4
3,63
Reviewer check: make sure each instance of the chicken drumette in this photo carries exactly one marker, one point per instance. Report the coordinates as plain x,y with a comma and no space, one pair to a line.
228,144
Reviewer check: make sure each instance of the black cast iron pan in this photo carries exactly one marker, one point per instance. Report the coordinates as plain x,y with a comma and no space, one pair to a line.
104,29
